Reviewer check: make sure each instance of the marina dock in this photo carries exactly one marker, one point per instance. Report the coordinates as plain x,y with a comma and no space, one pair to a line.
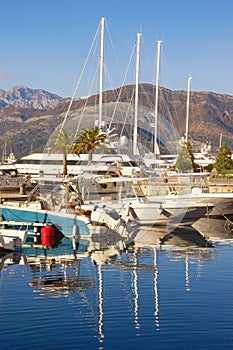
20,188
14,188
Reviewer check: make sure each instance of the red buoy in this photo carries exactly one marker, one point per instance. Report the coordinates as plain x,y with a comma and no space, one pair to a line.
48,235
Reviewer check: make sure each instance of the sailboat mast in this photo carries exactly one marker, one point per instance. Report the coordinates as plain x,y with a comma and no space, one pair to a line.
156,150
101,71
135,134
220,141
187,110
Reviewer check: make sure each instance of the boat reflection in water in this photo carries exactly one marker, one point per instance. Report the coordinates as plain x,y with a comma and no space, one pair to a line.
179,237
217,230
78,274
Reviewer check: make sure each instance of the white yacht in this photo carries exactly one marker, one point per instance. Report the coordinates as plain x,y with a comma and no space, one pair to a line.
47,164
7,166
203,159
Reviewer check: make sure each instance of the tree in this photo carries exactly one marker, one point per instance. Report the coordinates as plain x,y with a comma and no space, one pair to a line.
223,160
184,160
192,158
88,140
61,142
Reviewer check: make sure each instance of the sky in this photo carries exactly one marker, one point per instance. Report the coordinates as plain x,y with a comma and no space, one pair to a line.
45,43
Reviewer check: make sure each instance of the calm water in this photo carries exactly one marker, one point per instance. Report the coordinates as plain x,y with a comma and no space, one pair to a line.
117,296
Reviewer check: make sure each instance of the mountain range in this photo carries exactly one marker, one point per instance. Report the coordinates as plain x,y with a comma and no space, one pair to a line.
24,97
29,116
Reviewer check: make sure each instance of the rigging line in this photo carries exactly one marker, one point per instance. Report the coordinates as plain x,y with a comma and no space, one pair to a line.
126,116
195,114
150,104
89,79
80,78
120,92
127,113
113,48
111,83
175,116
148,98
115,31
85,106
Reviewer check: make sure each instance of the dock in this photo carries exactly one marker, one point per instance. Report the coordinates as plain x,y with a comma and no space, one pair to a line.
14,188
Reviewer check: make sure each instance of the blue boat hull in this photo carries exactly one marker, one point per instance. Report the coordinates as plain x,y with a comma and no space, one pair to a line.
65,222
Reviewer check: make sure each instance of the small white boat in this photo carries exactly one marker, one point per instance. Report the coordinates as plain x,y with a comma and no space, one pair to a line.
12,238
157,210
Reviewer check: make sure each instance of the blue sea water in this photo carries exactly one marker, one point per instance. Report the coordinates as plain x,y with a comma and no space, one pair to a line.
145,296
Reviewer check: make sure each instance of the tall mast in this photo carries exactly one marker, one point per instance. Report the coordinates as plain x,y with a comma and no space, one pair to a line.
187,110
135,134
156,149
101,71
220,141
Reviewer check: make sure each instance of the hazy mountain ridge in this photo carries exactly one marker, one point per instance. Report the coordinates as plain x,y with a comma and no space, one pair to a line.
30,117
24,97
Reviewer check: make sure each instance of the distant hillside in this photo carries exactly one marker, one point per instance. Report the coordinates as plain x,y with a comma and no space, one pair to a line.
210,115
28,117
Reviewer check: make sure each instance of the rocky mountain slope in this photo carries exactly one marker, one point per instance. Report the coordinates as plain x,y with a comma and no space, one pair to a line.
28,117
24,97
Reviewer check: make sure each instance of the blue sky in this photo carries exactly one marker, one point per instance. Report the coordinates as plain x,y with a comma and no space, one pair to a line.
44,43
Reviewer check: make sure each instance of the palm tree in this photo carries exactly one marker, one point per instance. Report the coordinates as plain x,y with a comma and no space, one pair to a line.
87,141
61,142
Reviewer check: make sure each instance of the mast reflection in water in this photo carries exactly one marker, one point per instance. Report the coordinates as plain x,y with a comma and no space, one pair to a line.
120,292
